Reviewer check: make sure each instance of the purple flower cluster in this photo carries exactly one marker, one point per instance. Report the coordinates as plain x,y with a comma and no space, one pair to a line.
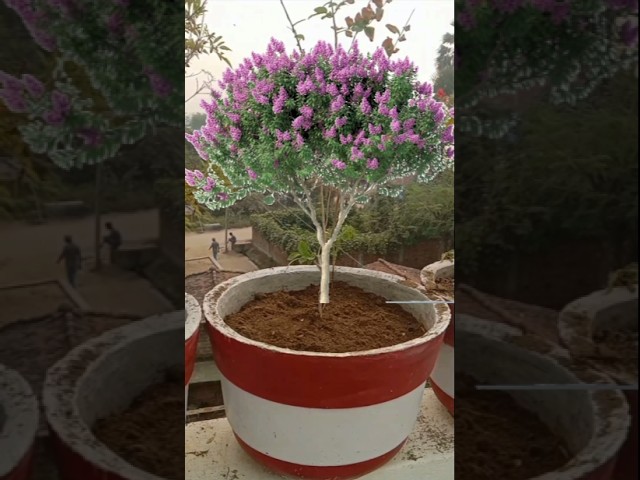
35,20
341,105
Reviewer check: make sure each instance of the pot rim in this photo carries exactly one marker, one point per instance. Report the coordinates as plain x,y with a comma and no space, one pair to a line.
576,316
193,316
20,420
442,312
611,423
59,393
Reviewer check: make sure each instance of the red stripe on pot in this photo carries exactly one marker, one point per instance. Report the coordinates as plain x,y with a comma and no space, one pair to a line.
76,467
344,472
446,400
449,335
190,353
324,381
23,469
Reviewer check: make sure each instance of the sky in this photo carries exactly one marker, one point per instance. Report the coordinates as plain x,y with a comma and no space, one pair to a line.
248,25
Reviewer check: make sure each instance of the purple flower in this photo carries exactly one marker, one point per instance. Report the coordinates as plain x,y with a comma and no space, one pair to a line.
298,142
198,174
393,113
305,87
236,134
365,107
409,123
396,126
280,100
306,111
34,86
373,164
338,164
450,152
346,139
629,33
332,90
447,135
330,133
223,196
375,129
252,175
337,104
189,177
340,122
209,185
356,153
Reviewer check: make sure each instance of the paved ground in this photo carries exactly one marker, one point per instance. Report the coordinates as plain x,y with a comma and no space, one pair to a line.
29,254
197,245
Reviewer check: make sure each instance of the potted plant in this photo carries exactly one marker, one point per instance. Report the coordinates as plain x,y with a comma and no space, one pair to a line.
601,329
193,317
528,433
330,128
19,416
438,278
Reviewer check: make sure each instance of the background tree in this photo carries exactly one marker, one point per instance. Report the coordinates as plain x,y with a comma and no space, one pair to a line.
443,78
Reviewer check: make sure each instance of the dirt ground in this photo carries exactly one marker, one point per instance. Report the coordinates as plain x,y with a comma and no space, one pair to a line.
30,252
197,245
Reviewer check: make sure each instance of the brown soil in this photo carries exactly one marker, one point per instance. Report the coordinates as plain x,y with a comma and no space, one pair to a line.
149,434
498,439
444,287
354,321
618,351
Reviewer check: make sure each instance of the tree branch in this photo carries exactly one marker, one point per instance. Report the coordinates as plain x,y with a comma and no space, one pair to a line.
292,26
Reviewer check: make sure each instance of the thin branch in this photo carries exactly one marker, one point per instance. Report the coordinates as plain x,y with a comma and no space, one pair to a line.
292,26
335,27
403,29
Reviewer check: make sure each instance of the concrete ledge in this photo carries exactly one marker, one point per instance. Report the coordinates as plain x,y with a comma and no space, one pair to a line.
211,450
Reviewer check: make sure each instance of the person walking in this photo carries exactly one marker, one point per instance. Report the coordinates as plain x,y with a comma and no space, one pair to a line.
113,239
215,248
72,259
232,240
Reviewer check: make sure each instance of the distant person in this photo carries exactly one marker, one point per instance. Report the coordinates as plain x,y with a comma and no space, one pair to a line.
215,248
72,259
232,239
113,239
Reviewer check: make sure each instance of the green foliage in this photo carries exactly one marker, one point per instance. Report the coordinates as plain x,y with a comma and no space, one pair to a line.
198,39
555,184
444,76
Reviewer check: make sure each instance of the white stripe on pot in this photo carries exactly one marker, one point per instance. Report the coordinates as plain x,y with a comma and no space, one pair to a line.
373,430
443,374
19,417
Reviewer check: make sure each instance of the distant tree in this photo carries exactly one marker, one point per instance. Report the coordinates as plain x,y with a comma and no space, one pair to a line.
196,121
443,79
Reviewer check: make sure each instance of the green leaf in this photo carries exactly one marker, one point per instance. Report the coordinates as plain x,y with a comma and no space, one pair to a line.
320,10
300,36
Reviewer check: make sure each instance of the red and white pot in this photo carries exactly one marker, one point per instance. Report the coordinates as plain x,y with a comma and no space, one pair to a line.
114,369
593,423
442,378
19,417
193,317
579,321
321,415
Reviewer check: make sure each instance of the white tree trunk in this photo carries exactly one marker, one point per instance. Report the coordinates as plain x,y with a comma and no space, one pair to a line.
325,271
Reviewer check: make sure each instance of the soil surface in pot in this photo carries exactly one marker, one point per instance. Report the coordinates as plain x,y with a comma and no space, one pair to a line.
150,432
618,351
353,321
498,439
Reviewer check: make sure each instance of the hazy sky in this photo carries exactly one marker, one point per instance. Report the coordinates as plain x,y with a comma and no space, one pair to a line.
248,25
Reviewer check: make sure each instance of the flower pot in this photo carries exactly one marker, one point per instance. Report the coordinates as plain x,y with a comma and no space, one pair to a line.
321,415
579,321
592,423
442,378
193,316
99,378
19,416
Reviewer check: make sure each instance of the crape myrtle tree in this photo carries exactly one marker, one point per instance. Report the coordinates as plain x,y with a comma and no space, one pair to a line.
560,49
112,76
322,126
